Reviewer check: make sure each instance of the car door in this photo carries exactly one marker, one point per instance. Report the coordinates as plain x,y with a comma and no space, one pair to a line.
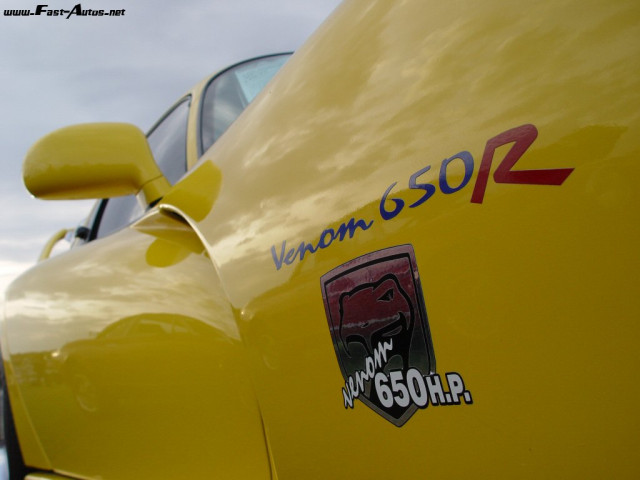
126,353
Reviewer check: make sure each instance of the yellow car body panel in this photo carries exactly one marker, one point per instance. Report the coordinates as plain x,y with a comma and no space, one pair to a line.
496,143
115,373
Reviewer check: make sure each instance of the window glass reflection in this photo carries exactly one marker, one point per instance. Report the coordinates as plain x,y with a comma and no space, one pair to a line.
230,93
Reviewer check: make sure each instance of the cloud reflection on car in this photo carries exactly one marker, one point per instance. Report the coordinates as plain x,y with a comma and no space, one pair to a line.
133,355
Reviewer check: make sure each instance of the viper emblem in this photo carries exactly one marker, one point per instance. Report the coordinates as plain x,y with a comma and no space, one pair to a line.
390,316
378,323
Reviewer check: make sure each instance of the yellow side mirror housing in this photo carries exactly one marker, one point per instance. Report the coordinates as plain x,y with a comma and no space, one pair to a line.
95,160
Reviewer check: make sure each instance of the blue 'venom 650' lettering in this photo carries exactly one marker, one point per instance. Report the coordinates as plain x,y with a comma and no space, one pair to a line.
520,138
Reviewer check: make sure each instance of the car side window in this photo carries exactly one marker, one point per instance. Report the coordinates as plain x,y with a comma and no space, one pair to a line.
168,142
117,212
231,91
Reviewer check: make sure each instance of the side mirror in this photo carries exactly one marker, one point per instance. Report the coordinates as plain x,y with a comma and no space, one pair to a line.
95,160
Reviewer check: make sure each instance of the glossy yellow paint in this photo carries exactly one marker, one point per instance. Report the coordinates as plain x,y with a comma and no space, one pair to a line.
94,160
531,294
44,476
31,449
113,375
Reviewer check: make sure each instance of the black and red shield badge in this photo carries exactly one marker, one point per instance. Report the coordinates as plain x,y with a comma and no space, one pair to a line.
378,324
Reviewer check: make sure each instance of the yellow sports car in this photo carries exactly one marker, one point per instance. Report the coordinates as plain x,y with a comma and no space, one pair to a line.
415,254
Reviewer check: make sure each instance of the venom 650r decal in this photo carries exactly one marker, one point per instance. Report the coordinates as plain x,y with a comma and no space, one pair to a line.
378,323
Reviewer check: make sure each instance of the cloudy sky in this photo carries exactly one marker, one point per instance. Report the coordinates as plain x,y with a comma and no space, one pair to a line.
57,72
